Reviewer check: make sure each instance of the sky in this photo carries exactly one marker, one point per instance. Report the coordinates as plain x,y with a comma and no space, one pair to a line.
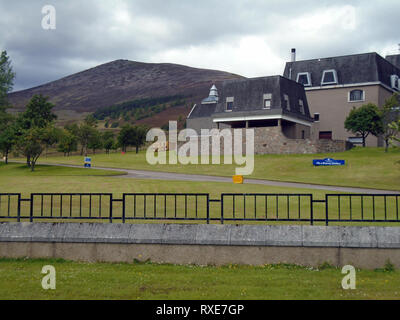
247,37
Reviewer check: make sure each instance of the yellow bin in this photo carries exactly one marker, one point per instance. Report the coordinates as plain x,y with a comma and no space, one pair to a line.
238,179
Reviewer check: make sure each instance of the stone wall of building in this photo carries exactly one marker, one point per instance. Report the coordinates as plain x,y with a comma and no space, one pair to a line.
271,140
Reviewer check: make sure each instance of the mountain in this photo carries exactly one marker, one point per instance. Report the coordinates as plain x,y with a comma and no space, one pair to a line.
120,81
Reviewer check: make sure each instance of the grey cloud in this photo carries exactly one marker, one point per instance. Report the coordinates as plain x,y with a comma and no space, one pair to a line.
85,36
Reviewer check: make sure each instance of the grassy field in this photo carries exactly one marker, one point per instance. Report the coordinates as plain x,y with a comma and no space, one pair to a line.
17,178
21,279
365,167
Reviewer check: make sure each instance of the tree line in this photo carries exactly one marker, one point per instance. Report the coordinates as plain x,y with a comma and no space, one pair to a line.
138,109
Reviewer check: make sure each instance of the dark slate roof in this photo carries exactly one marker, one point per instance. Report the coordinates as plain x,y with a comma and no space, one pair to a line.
202,110
352,69
248,97
394,59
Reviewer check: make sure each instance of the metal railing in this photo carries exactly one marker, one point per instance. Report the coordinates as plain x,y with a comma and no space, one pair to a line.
199,207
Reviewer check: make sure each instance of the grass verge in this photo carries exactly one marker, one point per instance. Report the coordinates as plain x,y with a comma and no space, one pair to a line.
21,279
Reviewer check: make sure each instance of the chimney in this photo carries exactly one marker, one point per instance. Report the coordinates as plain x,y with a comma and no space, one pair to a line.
293,55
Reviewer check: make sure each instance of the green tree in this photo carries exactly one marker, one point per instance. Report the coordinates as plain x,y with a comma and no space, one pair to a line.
390,113
132,136
7,128
140,137
91,121
95,141
108,140
85,134
364,120
72,128
68,143
395,138
38,114
6,78
7,140
126,136
34,141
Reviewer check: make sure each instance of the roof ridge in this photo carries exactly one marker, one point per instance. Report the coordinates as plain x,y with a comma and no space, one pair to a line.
335,57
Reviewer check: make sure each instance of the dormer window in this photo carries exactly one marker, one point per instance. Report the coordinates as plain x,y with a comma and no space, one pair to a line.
301,106
329,77
229,103
356,96
286,103
304,78
267,98
395,83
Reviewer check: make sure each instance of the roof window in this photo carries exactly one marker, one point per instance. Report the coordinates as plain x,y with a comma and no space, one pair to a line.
304,78
329,77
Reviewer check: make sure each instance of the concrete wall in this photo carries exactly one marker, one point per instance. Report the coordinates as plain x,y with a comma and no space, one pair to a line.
363,247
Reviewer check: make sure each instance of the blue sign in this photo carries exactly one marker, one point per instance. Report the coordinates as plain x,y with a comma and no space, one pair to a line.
329,162
88,162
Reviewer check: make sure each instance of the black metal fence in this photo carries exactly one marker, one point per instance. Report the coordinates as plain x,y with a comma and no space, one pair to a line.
199,207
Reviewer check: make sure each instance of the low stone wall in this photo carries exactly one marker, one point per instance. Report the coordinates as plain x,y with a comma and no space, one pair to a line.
271,140
363,247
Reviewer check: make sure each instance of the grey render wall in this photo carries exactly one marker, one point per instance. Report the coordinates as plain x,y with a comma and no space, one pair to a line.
365,247
200,123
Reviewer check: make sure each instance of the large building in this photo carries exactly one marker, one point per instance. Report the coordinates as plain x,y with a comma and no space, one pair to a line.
276,107
253,103
335,85
304,111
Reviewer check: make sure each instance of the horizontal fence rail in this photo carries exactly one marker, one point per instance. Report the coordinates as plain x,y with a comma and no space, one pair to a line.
199,207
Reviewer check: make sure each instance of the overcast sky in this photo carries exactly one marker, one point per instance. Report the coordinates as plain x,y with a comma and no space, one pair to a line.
250,38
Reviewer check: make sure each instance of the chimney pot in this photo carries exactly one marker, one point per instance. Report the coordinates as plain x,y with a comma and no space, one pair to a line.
293,54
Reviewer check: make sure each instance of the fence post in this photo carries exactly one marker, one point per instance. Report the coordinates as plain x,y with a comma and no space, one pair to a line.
19,208
326,210
31,209
222,209
312,209
208,208
111,208
123,208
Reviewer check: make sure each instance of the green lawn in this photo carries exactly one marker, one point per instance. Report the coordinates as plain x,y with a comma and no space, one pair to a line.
365,167
21,279
17,178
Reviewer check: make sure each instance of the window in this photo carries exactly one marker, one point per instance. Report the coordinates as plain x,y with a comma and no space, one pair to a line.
394,80
329,77
316,117
267,98
304,78
301,106
325,135
229,103
355,140
356,95
286,103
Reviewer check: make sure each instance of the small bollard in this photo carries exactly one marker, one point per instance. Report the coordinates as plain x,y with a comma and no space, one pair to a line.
237,179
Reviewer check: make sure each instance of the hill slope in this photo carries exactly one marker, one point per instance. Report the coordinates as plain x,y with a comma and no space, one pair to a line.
120,81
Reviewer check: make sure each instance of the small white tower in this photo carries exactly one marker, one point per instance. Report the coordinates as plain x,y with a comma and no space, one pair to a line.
212,97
